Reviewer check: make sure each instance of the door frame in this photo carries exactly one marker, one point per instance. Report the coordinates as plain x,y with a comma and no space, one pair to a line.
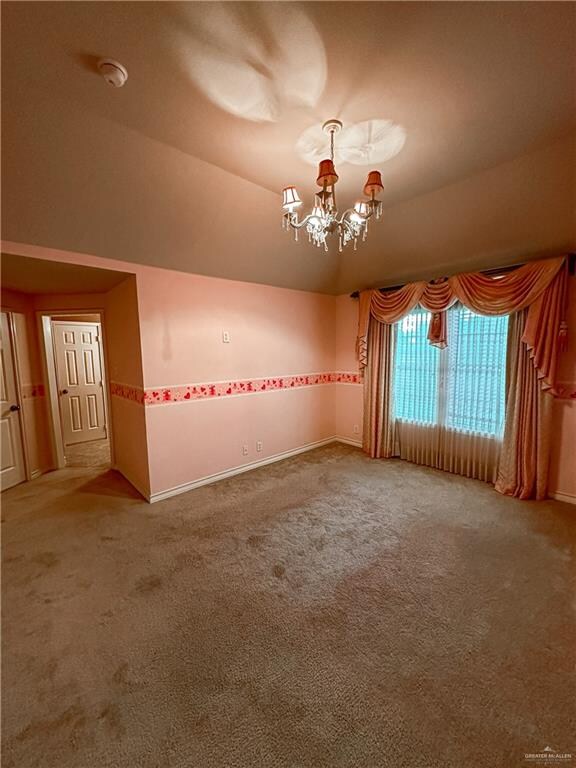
13,333
45,318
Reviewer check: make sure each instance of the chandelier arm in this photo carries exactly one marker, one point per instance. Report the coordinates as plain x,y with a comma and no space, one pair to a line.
295,224
345,224
349,211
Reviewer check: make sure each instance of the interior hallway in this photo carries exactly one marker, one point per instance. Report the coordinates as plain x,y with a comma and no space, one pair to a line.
327,610
95,453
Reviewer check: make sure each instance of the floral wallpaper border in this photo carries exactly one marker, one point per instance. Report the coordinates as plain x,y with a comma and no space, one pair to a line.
127,392
161,395
33,390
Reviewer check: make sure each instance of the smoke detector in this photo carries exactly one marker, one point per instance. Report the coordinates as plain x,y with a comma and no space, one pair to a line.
113,72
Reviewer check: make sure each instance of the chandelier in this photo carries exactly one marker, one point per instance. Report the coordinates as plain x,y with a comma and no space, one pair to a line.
324,219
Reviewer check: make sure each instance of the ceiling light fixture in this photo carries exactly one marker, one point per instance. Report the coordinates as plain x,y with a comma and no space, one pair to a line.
324,219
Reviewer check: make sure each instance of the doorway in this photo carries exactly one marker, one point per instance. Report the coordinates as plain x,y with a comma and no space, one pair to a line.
78,390
12,465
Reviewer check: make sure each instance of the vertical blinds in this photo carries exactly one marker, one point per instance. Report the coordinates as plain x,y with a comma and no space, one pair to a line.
461,387
416,371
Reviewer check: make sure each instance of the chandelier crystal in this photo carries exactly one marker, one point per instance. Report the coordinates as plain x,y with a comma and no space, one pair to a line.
324,220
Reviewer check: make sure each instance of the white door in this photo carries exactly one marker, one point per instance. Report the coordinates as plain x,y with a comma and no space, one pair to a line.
12,469
79,378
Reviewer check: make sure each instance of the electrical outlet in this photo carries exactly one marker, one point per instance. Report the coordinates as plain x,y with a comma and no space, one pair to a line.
356,429
259,446
226,337
244,450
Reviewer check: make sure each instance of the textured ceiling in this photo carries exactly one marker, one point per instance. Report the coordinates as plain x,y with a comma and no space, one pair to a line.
182,167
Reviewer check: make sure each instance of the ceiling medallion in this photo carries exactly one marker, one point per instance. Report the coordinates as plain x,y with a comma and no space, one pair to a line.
324,219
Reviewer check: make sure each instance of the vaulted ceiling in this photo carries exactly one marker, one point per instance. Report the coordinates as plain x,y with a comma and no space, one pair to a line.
468,110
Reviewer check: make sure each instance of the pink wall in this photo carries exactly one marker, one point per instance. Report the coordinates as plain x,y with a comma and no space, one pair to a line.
124,359
190,441
274,332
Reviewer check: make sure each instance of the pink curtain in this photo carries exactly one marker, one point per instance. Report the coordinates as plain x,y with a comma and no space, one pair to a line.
539,286
511,292
524,473
378,432
536,290
545,329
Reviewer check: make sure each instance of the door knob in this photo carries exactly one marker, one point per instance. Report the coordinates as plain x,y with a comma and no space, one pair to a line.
14,407
64,392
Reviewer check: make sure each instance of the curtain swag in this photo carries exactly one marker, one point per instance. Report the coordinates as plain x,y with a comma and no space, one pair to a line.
539,286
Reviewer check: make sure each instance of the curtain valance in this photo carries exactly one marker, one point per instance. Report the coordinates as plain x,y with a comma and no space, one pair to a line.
539,286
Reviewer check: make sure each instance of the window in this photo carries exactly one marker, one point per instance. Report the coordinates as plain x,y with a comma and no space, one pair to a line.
461,387
416,371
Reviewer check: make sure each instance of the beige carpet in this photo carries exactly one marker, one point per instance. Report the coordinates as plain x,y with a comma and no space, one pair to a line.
95,453
326,611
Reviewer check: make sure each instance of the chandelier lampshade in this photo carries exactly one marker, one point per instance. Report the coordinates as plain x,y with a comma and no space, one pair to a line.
317,212
327,175
361,211
324,219
373,184
290,199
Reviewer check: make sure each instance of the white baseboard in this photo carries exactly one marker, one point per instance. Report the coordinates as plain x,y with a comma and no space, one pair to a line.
160,495
226,473
349,441
569,498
